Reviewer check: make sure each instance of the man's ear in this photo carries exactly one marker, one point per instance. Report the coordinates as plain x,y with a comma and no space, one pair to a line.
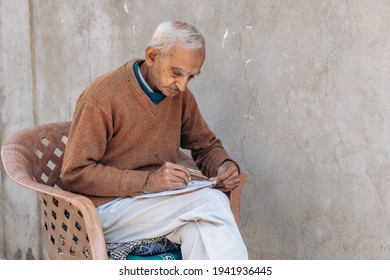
151,55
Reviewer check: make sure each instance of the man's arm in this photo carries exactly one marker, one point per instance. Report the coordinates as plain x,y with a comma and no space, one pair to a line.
207,150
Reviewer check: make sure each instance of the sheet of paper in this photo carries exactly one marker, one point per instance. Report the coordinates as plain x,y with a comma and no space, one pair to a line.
195,185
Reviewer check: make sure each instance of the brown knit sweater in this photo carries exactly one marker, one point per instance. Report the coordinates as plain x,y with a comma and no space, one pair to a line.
117,131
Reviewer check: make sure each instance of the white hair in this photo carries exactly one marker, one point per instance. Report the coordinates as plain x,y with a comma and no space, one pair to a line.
169,32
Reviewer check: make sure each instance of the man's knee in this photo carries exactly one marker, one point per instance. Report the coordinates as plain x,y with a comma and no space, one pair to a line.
210,195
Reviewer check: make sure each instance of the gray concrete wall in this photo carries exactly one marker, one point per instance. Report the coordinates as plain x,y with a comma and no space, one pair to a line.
297,91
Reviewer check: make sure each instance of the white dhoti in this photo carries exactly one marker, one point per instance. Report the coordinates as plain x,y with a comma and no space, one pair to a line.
201,221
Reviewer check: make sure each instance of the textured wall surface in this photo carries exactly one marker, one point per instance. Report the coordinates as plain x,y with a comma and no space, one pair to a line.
297,90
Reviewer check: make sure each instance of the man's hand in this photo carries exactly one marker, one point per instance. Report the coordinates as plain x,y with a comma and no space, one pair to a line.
228,177
169,176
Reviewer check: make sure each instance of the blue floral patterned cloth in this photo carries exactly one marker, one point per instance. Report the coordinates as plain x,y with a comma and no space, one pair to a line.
147,247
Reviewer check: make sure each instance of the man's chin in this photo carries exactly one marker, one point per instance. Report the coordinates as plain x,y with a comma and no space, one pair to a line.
171,93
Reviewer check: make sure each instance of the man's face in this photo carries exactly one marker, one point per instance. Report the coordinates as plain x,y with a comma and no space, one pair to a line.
170,73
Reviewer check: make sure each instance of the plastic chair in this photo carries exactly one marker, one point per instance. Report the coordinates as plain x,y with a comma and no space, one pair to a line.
33,157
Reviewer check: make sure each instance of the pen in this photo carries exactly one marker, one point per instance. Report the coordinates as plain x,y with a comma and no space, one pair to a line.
193,172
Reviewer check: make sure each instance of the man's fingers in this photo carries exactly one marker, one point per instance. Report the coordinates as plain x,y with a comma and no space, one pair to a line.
176,172
228,185
227,176
231,181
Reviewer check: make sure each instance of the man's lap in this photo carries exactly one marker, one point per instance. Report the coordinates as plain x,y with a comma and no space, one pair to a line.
129,219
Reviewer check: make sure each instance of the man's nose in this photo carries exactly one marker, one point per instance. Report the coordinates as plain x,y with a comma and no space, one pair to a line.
182,82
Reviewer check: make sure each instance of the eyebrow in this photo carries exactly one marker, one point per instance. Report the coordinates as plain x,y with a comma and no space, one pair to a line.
184,72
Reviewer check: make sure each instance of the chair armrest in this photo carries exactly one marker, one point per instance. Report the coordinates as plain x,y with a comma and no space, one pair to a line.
77,216
60,210
235,197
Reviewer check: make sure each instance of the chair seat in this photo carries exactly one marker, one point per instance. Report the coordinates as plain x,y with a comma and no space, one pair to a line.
175,255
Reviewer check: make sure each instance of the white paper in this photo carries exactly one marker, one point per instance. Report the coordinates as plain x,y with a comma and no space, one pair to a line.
195,185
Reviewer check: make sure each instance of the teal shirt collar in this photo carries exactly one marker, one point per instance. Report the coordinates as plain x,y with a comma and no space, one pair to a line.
155,97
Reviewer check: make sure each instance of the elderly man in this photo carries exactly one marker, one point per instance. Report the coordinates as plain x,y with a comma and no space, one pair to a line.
126,117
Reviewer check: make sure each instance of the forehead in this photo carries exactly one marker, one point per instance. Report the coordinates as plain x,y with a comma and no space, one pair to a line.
189,60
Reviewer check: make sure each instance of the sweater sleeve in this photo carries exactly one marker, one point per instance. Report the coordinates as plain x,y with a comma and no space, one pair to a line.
82,171
206,149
